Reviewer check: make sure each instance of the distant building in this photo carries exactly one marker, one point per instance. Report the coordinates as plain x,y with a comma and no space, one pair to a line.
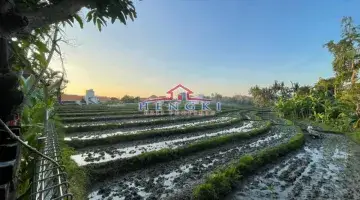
68,99
90,97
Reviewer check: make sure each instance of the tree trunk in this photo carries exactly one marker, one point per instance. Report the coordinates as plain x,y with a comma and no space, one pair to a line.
354,77
354,74
10,99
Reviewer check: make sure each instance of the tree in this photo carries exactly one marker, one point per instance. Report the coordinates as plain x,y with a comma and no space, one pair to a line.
346,63
130,99
27,22
218,97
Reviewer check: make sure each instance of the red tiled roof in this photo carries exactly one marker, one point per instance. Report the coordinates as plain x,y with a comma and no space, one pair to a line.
71,97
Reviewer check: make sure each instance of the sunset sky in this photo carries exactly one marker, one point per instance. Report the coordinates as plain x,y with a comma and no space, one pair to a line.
209,46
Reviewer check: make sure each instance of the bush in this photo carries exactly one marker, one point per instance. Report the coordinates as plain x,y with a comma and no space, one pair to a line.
205,192
355,137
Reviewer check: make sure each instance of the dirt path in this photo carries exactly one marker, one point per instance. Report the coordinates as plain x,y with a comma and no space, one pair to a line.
326,168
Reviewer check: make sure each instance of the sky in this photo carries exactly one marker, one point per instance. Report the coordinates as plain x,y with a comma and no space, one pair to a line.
223,46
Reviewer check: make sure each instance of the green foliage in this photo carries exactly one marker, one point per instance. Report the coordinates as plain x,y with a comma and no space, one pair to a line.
319,107
355,136
220,182
205,191
331,101
102,171
268,95
77,176
130,99
32,54
346,52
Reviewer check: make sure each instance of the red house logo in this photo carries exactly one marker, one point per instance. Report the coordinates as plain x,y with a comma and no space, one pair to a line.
184,96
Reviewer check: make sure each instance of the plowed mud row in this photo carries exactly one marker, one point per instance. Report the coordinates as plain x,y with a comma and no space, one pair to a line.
325,168
176,179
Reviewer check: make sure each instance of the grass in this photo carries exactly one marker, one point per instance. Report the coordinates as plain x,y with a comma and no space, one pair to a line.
76,176
219,183
355,136
253,115
78,143
102,171
325,127
288,122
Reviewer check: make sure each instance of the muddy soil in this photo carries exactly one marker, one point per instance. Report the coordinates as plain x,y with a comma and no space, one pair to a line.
176,179
195,119
130,131
326,168
130,149
120,121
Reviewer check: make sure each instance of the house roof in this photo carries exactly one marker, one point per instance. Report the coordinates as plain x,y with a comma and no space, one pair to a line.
180,86
71,97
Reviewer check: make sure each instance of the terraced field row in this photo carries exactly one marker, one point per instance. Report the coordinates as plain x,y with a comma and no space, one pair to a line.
166,157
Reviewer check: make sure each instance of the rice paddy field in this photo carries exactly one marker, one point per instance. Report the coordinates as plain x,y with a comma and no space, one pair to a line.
129,155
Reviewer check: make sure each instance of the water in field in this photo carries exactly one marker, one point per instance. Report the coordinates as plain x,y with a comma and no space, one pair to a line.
323,169
120,153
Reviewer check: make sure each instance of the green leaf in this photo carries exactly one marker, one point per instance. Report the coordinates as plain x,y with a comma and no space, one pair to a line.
69,22
95,17
113,19
41,46
89,17
131,16
99,24
103,20
40,58
71,19
122,18
79,20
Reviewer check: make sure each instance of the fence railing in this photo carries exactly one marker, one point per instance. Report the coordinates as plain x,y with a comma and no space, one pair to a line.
50,180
